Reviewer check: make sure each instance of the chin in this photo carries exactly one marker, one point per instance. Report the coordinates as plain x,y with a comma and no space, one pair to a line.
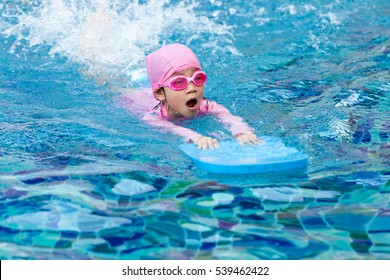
191,114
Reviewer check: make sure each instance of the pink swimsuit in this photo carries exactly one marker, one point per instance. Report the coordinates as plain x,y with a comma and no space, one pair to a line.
140,102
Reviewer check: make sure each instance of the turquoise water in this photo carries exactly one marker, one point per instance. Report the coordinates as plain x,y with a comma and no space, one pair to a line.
81,178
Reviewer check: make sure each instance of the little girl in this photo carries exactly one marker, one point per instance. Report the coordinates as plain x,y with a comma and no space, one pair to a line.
177,81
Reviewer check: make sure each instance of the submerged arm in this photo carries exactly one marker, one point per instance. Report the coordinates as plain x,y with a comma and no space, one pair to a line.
239,129
189,135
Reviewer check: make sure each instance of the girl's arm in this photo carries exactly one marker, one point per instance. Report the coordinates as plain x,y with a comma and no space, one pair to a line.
138,102
239,129
189,135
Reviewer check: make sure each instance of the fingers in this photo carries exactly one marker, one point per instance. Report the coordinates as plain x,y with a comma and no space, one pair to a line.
206,142
249,138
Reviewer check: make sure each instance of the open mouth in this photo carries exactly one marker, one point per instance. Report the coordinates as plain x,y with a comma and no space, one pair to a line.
192,103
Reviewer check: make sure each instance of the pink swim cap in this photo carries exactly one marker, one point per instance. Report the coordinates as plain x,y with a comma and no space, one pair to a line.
162,63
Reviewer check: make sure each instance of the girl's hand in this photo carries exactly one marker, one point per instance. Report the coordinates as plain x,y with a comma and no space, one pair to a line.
248,138
205,142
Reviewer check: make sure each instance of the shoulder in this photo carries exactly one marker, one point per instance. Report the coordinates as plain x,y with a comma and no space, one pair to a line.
210,106
207,105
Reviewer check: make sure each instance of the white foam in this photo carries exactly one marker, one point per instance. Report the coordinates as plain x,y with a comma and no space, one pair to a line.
291,9
332,18
113,37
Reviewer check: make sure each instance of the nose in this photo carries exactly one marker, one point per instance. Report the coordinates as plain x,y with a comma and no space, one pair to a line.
191,87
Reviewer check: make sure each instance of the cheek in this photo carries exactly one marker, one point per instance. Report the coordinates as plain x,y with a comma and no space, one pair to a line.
171,95
175,99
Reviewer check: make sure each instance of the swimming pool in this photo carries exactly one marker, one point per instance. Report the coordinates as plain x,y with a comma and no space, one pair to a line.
81,178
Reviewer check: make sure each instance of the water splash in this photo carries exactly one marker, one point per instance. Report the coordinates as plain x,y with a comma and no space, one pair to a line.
107,36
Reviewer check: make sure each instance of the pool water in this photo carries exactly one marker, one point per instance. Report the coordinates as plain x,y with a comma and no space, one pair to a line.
82,178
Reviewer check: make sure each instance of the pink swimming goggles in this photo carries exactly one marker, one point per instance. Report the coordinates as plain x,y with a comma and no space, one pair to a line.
181,82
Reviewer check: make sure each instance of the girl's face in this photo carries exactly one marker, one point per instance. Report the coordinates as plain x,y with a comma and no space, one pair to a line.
184,103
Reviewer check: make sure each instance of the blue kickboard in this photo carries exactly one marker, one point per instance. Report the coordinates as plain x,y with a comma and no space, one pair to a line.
232,158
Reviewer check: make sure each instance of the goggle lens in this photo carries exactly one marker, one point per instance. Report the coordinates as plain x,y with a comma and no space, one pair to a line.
181,82
199,79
